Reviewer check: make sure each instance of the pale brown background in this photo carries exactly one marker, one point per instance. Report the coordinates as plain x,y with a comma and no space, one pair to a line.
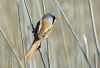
16,34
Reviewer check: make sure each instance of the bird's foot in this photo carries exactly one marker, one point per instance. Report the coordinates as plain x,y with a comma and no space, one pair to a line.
39,47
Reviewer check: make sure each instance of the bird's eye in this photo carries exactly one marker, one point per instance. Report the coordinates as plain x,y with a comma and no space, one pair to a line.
53,18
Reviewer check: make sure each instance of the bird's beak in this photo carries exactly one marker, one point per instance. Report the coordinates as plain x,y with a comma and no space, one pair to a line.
57,17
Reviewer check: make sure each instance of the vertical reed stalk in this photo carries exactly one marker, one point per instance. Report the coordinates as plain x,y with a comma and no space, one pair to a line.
22,42
94,28
73,32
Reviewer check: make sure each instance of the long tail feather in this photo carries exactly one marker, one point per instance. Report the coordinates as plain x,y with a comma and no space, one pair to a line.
32,50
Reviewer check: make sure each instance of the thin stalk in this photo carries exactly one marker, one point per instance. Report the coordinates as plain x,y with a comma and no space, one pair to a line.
22,42
94,28
73,32
30,19
43,5
48,54
86,45
13,51
42,58
95,60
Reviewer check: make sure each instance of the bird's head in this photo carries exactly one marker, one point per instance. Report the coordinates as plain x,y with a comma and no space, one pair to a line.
50,17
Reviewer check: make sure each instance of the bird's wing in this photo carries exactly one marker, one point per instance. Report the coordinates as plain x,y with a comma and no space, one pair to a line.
37,28
46,26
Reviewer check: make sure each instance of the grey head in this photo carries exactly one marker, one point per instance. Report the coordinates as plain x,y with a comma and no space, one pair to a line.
50,17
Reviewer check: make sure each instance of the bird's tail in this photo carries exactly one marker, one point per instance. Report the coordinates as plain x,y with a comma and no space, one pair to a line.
32,50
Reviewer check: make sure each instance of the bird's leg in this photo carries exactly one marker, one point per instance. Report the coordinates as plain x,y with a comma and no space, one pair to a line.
45,33
39,47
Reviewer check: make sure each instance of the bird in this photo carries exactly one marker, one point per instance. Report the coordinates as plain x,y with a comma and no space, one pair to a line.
41,32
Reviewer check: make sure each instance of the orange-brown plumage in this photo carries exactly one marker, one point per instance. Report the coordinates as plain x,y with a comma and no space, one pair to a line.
46,27
32,50
43,30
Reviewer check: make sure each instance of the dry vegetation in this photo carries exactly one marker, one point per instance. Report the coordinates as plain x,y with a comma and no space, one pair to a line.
74,42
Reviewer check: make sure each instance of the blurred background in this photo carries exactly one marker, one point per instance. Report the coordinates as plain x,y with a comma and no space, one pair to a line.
63,49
